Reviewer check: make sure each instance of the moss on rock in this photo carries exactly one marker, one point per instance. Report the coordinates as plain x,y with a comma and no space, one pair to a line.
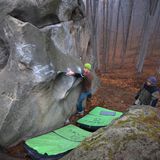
133,136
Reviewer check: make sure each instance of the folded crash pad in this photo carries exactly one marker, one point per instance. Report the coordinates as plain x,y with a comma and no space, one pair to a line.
97,118
57,143
72,133
99,110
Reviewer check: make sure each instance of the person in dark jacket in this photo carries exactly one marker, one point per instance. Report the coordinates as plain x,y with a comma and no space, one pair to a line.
87,78
149,93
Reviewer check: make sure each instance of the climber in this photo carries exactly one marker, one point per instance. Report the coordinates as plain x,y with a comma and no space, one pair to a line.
149,93
87,78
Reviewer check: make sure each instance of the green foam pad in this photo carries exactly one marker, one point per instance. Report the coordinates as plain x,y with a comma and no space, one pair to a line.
98,110
73,133
96,119
51,144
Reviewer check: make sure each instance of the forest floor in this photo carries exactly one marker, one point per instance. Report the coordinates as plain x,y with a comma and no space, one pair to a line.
119,86
117,90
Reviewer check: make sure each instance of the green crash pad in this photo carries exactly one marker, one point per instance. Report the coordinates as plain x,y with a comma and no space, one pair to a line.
73,133
59,141
96,119
98,110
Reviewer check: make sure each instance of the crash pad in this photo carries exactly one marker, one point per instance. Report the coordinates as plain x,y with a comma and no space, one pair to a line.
56,142
106,112
72,133
51,144
97,118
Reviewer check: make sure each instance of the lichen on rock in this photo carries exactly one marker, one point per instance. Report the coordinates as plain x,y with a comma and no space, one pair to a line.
134,136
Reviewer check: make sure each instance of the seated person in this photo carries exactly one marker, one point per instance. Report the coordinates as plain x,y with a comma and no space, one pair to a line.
149,93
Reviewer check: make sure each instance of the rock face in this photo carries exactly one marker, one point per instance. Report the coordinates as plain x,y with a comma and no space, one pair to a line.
135,136
37,40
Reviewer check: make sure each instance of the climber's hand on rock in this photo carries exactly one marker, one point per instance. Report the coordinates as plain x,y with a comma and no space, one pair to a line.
70,72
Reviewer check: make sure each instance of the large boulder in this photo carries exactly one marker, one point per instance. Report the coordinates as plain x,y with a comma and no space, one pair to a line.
71,10
134,136
43,13
36,97
70,38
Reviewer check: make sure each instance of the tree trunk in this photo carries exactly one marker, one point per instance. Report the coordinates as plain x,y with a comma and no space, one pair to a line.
125,44
150,25
116,34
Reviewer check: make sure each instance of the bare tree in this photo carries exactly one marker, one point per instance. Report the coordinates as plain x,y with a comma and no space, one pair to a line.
154,36
116,33
109,30
126,37
92,7
115,24
150,23
105,36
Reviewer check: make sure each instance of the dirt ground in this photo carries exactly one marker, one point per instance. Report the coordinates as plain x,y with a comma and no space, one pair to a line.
117,90
119,86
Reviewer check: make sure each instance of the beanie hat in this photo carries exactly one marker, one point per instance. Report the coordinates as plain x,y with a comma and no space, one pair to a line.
87,66
152,80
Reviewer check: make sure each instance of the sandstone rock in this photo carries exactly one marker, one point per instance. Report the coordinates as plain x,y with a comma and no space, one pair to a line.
39,13
135,136
32,94
4,54
71,10
43,13
34,97
70,38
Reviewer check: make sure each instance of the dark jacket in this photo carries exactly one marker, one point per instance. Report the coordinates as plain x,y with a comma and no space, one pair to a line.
86,81
148,95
